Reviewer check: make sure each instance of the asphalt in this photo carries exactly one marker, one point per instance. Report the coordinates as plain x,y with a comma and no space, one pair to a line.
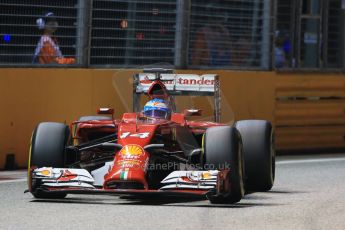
309,193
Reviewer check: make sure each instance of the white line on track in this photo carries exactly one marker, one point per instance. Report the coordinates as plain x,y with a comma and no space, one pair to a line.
284,162
12,181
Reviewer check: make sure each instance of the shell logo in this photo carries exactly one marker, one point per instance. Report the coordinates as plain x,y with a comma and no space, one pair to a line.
132,150
46,172
206,175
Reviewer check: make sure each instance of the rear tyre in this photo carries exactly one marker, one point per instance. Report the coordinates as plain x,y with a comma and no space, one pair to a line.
98,118
47,149
223,150
259,154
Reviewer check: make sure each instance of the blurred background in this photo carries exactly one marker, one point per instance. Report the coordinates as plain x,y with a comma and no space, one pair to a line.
230,34
279,60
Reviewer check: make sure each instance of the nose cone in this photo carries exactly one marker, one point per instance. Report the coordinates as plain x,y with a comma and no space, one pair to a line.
129,169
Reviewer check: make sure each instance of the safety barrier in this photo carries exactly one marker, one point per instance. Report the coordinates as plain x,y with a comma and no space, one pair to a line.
30,96
310,112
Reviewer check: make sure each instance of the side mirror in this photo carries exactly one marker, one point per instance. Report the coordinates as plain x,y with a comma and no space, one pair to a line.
108,111
192,112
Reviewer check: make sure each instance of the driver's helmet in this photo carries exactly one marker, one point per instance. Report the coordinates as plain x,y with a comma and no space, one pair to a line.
157,108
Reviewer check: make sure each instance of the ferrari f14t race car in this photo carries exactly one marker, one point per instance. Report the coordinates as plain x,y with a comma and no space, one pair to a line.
157,149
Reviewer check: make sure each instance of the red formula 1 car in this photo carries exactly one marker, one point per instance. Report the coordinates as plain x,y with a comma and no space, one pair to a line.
139,154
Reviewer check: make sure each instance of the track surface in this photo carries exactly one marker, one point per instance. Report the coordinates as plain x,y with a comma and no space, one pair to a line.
309,193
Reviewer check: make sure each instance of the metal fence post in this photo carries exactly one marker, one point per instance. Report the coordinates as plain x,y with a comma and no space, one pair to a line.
83,35
265,44
343,37
254,50
183,8
313,27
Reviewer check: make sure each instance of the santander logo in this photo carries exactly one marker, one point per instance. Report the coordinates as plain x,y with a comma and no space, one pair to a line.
182,82
191,81
181,79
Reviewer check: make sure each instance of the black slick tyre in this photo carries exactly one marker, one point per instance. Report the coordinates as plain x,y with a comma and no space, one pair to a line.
223,150
259,154
47,149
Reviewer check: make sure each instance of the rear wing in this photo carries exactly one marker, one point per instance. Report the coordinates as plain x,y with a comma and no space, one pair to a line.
178,85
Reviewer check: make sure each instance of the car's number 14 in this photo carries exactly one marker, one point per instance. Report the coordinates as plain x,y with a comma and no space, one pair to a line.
140,135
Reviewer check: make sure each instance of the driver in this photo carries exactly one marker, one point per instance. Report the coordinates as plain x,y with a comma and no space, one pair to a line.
157,108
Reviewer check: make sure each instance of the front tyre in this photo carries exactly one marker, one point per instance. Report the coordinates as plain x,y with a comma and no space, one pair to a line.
47,149
259,153
223,150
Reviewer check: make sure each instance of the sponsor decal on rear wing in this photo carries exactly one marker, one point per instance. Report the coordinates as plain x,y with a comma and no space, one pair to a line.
178,82
178,85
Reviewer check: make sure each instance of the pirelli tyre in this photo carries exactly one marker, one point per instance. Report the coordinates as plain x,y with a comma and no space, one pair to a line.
223,150
259,154
92,118
47,149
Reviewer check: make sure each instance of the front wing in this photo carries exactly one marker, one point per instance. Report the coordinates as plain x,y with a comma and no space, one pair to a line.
177,183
